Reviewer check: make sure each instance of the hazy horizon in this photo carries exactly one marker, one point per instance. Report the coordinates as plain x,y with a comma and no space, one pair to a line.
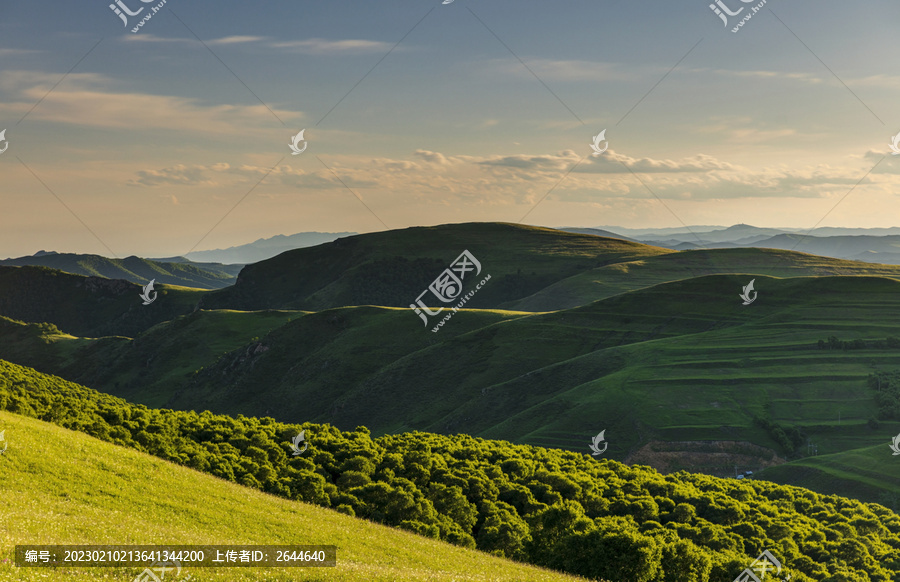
624,231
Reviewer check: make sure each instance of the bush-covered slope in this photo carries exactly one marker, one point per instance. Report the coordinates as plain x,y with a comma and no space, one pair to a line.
548,507
63,487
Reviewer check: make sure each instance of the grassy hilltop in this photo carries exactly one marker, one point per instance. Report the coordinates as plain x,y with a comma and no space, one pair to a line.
624,276
392,268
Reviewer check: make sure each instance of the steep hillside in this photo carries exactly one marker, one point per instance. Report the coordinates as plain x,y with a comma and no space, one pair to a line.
152,366
88,306
93,492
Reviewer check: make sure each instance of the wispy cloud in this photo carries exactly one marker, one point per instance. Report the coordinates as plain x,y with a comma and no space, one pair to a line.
9,52
504,180
236,40
321,46
88,100
317,46
560,70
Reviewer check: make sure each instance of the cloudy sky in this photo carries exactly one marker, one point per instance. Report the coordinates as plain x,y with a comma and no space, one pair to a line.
175,138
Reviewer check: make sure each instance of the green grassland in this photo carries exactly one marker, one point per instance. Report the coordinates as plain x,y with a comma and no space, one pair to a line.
166,355
677,362
62,487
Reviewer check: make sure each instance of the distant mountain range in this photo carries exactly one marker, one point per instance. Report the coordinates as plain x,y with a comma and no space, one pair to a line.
134,269
213,269
264,248
870,245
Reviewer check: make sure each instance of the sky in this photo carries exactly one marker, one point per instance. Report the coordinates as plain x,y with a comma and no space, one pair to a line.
415,113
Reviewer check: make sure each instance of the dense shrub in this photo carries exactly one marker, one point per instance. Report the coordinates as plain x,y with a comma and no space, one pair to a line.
886,386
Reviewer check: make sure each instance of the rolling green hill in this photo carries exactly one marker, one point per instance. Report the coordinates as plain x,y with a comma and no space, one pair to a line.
135,269
63,487
680,363
393,268
532,269
669,363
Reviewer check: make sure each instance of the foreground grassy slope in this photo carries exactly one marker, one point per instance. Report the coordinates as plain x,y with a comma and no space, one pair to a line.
64,487
564,510
621,277
393,268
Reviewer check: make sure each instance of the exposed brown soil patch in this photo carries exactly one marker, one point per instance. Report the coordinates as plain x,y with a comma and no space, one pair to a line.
717,458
